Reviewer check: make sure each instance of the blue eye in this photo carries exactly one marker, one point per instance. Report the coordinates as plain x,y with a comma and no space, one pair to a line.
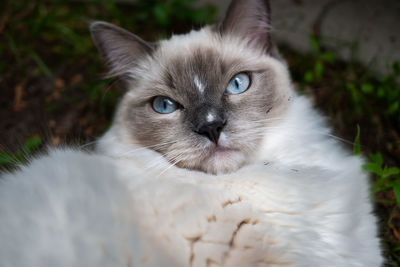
164,105
239,83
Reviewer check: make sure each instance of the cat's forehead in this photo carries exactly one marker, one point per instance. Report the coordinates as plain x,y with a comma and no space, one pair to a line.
205,49
202,61
200,72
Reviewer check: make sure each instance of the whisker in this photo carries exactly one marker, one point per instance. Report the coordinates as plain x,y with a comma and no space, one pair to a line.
340,139
264,131
171,165
168,158
88,144
136,149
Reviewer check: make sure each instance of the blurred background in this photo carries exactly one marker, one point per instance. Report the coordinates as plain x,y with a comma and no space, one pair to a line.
344,54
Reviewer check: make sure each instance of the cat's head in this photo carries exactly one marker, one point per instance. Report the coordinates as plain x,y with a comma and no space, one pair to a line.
203,99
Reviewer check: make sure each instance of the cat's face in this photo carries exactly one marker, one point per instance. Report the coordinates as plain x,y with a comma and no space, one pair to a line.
202,100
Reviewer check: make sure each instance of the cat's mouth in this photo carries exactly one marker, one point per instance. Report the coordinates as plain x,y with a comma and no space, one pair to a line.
221,150
222,159
213,159
221,154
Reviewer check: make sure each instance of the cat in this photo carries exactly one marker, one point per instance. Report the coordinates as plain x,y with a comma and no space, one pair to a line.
212,159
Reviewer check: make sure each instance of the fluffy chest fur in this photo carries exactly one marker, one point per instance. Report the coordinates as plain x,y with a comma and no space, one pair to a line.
253,218
95,211
293,201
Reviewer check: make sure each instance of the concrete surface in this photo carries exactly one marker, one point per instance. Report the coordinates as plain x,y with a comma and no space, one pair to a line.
367,31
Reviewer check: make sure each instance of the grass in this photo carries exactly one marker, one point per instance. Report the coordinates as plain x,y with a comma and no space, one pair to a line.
8,159
50,72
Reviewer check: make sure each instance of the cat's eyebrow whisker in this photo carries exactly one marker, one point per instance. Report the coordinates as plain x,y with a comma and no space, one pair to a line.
108,89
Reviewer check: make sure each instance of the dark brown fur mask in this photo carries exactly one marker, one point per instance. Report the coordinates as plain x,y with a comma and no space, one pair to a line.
202,100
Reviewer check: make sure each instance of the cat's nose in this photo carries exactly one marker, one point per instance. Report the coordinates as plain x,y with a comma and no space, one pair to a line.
211,130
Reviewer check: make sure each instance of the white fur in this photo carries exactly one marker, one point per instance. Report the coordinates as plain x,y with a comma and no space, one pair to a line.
210,117
75,209
310,197
301,201
200,86
304,202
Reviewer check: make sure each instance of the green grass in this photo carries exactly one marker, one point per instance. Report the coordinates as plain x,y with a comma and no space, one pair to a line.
61,27
10,160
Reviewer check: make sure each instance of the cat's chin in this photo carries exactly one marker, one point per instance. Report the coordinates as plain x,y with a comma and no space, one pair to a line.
222,160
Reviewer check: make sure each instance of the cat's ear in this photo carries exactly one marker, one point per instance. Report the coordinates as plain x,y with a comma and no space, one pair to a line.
120,48
249,19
